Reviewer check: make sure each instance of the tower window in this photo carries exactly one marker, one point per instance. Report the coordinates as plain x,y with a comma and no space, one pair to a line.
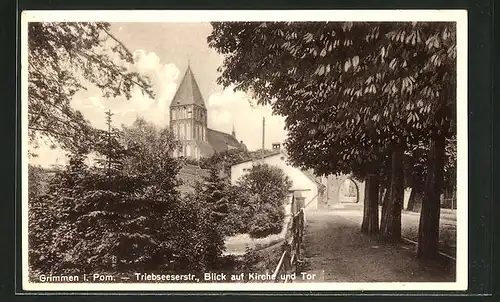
176,131
188,131
181,132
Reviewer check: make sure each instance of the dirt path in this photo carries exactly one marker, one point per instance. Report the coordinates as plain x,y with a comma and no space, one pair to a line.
336,251
409,224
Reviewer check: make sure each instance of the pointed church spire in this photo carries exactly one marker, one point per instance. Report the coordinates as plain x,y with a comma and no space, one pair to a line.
188,92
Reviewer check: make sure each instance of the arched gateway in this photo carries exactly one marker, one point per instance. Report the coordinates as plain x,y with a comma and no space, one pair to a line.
343,189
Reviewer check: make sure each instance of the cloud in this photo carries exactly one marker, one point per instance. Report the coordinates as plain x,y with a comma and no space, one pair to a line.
228,107
163,76
146,62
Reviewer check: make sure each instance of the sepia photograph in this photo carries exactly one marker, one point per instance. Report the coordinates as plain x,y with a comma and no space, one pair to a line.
244,150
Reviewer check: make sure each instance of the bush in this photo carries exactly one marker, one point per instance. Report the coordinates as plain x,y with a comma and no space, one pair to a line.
268,220
264,190
240,211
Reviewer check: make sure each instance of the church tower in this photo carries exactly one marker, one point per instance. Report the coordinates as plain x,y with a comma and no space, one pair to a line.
188,117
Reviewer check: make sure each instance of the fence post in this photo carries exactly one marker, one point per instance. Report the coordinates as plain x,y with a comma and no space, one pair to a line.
287,266
301,225
297,238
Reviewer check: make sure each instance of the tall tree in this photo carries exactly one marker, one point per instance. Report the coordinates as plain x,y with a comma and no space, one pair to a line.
64,58
212,197
367,87
189,228
415,171
370,217
96,211
153,148
112,216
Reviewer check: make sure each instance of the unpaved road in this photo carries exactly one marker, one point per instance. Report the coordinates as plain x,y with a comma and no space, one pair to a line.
409,225
336,250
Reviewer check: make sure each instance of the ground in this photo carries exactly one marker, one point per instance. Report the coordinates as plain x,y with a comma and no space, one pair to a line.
409,225
336,251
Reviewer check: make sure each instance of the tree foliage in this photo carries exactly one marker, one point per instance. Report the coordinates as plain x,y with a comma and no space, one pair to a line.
64,58
122,213
348,90
355,95
211,196
153,147
268,187
254,205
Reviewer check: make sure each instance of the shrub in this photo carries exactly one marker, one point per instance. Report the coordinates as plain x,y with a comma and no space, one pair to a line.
265,188
240,211
268,220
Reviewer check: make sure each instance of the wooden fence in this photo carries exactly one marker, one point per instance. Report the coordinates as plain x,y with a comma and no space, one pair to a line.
292,245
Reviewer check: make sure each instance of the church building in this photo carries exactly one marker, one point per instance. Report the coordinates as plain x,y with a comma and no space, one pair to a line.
188,121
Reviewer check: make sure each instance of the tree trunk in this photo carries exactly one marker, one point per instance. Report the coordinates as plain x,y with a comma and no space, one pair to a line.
415,196
392,224
428,231
384,214
370,211
454,198
381,195
411,200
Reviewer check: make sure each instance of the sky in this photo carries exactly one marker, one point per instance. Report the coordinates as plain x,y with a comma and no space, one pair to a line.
161,51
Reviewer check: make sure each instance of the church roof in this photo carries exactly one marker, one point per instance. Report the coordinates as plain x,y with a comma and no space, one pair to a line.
217,141
188,92
205,148
221,141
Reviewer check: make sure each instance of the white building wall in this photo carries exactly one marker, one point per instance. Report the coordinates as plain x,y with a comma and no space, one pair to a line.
299,180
